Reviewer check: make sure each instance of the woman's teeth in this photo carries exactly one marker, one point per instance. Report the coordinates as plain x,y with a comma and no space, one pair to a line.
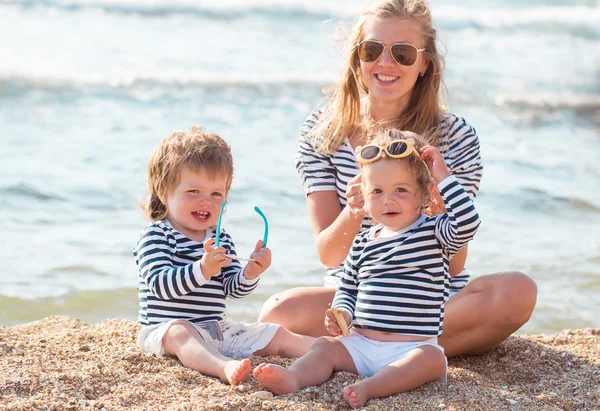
386,79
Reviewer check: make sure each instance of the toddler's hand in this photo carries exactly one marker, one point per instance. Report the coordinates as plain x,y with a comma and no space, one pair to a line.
436,163
213,259
354,197
262,260
436,203
331,324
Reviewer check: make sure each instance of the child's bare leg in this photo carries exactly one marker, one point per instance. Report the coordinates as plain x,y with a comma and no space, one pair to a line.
324,357
287,344
183,341
421,365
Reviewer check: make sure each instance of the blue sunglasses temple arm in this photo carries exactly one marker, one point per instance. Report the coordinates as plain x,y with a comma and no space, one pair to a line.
218,234
266,235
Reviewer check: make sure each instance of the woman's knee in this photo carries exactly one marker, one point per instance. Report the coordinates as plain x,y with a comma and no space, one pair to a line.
515,296
279,307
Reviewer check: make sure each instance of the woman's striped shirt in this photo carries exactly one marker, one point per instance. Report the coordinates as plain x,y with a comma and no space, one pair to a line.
457,141
399,284
171,285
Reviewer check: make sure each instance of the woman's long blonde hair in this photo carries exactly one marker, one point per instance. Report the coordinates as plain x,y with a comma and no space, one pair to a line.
424,110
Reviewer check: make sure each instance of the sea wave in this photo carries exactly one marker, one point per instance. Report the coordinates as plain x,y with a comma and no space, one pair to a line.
13,84
583,104
227,10
579,19
23,190
584,20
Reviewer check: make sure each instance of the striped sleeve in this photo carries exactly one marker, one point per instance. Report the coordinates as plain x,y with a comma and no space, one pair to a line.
458,225
463,154
317,173
234,283
153,256
346,295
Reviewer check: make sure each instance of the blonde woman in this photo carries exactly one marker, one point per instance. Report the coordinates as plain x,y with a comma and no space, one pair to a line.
393,62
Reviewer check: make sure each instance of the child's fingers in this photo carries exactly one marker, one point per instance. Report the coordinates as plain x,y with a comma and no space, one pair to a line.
258,246
208,244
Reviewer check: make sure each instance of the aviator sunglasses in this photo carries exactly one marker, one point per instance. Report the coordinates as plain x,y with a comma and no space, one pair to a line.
405,54
396,149
265,234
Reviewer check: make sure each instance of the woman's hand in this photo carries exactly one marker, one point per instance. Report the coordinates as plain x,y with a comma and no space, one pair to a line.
354,197
262,260
436,163
213,259
331,324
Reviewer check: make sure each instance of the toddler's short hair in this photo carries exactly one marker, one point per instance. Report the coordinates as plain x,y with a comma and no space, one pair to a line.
196,150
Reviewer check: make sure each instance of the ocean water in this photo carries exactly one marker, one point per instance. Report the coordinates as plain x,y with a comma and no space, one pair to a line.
88,88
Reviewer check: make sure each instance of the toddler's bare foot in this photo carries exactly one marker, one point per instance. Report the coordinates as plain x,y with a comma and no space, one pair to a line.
237,371
276,379
355,395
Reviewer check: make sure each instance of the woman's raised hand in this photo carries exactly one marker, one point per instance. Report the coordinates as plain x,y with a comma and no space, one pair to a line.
354,197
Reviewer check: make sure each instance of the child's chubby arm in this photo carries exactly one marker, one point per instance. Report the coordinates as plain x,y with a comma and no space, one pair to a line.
458,225
213,259
262,260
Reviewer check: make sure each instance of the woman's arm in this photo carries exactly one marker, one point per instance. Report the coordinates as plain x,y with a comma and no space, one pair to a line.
334,227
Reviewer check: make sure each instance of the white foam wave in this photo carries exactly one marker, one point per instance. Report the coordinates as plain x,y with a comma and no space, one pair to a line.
455,17
177,78
552,101
575,17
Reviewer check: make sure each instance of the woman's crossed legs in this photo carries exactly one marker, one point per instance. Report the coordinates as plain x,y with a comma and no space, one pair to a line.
479,317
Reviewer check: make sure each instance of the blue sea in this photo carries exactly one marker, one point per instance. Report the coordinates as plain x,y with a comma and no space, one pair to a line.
88,88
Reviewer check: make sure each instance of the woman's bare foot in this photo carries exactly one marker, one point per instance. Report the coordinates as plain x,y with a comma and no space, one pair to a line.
276,379
355,395
237,371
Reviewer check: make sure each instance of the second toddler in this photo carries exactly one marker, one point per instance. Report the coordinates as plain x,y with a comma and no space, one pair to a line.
395,280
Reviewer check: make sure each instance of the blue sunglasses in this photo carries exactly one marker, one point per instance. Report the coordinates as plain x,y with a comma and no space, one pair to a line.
265,235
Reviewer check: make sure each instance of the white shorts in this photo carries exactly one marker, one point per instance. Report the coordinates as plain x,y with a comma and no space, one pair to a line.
371,356
232,339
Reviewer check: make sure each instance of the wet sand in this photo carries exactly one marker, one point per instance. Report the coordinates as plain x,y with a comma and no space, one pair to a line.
60,363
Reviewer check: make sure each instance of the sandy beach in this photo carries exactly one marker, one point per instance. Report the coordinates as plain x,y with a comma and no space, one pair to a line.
61,363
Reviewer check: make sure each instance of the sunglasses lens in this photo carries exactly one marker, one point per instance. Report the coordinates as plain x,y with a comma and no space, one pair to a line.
369,152
404,54
369,51
397,148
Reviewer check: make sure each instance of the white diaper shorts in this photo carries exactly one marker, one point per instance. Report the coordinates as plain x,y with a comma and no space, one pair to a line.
371,356
232,339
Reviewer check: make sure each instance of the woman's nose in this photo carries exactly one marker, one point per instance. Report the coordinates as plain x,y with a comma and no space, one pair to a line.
386,58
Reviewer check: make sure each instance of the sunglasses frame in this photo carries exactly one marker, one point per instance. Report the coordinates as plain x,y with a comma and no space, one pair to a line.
265,234
410,143
388,47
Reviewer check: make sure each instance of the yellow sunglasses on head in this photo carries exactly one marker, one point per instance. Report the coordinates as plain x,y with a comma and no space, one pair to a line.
396,149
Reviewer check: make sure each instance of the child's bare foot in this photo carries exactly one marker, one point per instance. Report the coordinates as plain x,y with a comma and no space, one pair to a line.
237,371
276,379
355,395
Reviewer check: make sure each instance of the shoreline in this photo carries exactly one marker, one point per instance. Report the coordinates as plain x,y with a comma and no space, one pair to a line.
61,363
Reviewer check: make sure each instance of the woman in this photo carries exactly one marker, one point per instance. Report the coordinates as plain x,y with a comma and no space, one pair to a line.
393,60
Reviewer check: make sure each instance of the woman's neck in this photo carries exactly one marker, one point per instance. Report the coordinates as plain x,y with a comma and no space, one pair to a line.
384,111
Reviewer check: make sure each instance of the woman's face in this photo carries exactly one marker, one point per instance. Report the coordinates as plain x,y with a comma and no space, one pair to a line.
387,81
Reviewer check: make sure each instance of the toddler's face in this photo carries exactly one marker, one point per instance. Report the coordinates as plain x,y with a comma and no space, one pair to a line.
194,205
392,195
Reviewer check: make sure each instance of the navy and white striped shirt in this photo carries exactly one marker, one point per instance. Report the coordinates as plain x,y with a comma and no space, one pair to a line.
399,284
457,141
171,285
